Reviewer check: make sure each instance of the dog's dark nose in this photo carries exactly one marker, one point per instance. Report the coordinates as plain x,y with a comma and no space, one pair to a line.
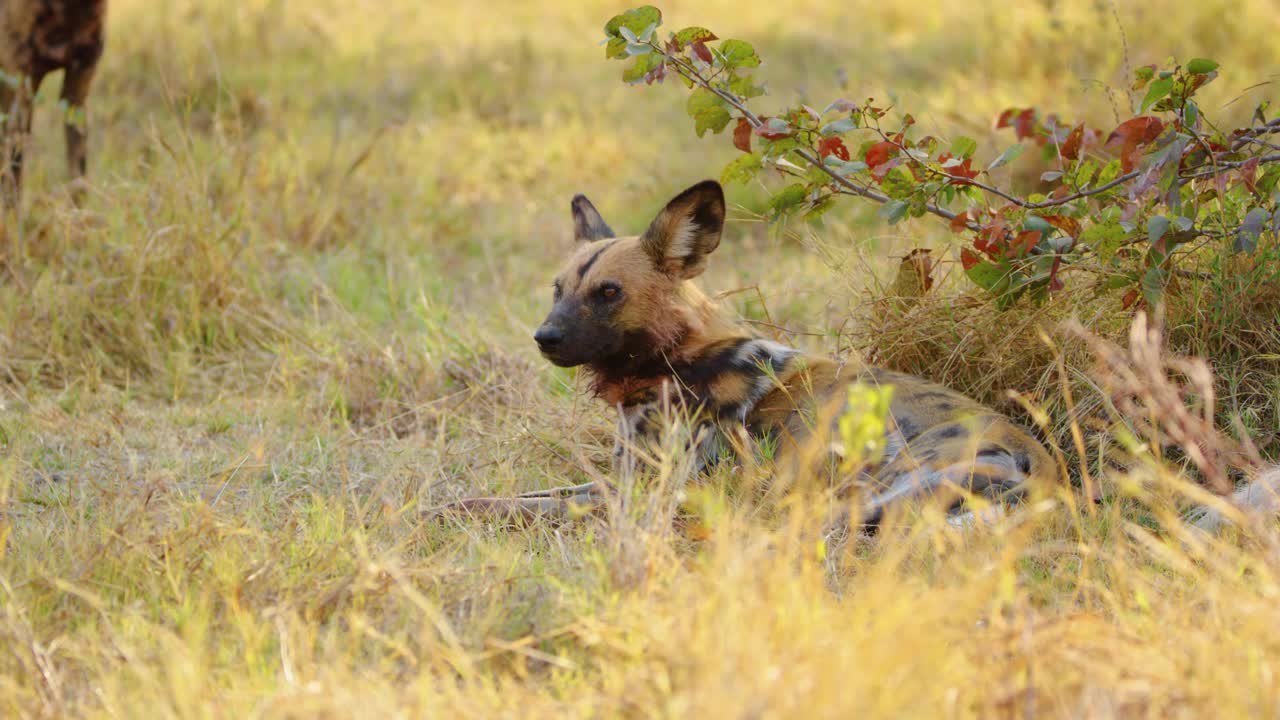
548,337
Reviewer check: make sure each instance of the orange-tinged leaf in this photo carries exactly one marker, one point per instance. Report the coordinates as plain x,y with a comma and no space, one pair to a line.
1068,225
969,258
960,222
1071,146
1129,299
1136,131
742,135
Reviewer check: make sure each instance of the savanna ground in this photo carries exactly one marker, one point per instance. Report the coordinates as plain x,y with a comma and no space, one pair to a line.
294,313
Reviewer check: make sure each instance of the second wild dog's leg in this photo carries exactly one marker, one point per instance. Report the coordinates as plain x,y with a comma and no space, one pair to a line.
16,97
75,90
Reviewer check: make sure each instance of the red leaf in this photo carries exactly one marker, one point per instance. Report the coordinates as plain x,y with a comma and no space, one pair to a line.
833,146
1024,126
1129,299
961,173
1136,131
1131,135
969,258
983,243
1249,174
1071,147
700,49
742,135
769,133
880,153
1005,117
1023,243
960,223
1054,283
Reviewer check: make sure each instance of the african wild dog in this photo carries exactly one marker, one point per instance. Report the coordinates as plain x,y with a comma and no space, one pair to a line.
38,37
625,309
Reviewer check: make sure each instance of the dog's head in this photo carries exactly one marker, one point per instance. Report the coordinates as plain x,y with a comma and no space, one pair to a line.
619,300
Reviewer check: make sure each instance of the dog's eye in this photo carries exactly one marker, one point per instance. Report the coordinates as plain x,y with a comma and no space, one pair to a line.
609,291
557,291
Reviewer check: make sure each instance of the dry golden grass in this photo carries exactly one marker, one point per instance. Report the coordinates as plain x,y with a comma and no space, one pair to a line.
294,313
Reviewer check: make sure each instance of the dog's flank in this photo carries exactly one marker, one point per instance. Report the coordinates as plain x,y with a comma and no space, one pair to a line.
38,37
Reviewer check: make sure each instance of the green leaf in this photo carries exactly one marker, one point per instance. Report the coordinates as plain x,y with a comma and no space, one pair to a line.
636,21
1144,74
1110,172
848,168
1156,228
701,100
742,169
1159,89
1007,156
1153,285
617,47
739,53
893,211
1105,239
786,198
899,183
1115,282
775,148
1190,114
694,34
963,147
1085,172
714,119
1035,222
1250,229
820,209
987,275
744,87
643,64
839,126
1201,66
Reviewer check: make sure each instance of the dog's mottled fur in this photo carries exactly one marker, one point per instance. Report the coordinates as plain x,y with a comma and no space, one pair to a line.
38,37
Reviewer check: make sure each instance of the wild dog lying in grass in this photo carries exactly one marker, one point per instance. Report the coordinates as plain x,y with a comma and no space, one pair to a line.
625,309
38,37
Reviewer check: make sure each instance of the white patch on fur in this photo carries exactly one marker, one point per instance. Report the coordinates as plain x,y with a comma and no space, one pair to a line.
683,239
776,354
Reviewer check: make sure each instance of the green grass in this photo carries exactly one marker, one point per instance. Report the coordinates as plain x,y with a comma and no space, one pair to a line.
294,312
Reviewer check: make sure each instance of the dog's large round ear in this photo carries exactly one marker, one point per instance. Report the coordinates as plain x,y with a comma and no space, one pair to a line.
587,223
687,230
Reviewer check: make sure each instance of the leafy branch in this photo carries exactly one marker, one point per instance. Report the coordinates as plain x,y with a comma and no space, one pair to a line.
1118,206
